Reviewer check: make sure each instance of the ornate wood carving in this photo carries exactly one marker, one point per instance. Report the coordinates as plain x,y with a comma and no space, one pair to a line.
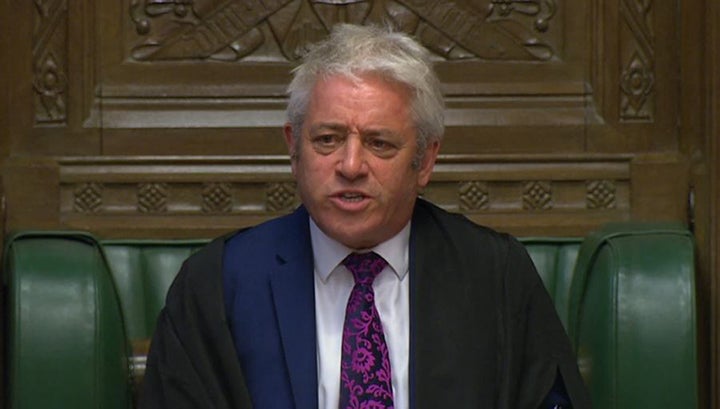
152,197
538,195
88,197
217,198
281,197
496,29
50,62
541,11
220,193
637,51
281,30
601,194
473,196
528,74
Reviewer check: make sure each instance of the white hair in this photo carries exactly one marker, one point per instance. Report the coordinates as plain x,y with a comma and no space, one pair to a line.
353,50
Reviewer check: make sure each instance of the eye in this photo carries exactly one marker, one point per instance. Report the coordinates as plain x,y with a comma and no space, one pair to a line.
326,143
379,144
381,147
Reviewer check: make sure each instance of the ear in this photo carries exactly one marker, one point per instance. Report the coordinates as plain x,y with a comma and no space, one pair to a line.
427,164
290,143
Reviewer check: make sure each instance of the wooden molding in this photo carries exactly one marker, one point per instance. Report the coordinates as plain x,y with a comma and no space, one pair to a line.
204,196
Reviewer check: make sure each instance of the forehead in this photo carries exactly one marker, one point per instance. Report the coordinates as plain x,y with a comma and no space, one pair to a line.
364,96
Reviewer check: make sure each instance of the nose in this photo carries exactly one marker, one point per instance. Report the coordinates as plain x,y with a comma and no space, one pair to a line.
352,163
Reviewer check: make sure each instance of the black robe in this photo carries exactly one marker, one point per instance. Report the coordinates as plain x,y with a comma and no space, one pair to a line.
484,331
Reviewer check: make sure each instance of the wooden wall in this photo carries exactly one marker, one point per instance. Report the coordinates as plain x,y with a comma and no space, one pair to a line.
162,118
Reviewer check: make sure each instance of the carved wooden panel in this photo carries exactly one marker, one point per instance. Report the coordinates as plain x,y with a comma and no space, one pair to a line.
547,195
223,66
281,30
50,62
517,73
108,187
149,84
537,76
637,79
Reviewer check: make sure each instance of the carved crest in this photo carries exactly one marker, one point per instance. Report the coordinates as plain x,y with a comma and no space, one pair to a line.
282,30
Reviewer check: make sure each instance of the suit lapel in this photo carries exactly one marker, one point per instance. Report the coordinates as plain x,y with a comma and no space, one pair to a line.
293,295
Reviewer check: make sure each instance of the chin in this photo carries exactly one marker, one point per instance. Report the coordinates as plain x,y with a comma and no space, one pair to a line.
351,240
355,239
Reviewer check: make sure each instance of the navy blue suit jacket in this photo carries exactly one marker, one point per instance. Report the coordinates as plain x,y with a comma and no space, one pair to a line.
270,304
238,330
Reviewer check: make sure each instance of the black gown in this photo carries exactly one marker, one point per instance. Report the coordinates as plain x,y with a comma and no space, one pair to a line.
484,331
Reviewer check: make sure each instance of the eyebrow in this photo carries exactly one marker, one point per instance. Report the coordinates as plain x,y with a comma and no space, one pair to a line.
331,126
337,127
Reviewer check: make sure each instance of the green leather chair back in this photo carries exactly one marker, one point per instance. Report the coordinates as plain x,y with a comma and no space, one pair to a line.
554,259
66,340
143,271
632,317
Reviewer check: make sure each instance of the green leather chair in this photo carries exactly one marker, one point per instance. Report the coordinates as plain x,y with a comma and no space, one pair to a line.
554,259
66,337
143,271
632,317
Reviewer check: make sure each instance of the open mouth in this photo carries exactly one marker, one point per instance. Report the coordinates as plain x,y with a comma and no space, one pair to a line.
352,197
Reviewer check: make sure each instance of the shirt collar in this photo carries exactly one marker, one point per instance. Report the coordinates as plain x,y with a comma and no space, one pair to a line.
328,253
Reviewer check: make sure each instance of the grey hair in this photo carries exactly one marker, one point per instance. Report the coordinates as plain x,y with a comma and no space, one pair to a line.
352,50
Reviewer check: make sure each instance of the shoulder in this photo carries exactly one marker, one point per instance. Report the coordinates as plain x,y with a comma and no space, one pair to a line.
199,277
454,240
434,223
202,272
270,235
483,255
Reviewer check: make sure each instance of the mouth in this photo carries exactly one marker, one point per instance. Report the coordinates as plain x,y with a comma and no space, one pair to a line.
351,197
351,200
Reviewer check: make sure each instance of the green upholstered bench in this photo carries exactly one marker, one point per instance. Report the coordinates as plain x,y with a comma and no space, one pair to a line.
81,311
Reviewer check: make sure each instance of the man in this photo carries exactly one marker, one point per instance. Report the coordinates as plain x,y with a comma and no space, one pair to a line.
364,297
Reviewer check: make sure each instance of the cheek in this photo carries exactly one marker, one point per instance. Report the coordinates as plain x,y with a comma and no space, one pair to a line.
402,184
311,174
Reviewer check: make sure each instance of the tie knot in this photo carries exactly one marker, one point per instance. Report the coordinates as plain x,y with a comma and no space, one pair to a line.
364,266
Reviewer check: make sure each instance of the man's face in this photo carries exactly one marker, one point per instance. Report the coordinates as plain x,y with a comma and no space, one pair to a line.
354,162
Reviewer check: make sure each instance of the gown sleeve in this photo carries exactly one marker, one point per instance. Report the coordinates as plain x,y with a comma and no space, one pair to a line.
192,362
539,355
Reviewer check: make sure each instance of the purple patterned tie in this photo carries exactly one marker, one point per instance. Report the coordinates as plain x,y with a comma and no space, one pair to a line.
365,377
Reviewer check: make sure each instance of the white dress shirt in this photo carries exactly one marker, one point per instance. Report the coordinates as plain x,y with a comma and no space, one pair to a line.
333,284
